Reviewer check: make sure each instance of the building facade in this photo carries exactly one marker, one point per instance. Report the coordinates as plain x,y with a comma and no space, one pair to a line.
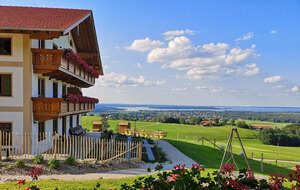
47,56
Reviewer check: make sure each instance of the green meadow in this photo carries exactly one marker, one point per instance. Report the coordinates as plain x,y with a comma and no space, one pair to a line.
186,138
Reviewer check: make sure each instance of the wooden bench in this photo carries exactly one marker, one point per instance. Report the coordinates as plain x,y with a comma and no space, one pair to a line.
78,130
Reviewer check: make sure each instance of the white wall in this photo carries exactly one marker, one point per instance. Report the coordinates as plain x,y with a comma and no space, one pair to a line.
17,87
16,118
17,48
48,86
62,43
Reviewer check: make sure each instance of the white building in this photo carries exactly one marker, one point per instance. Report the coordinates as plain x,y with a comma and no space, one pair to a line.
36,69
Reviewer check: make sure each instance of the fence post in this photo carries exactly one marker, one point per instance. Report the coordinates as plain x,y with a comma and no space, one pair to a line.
214,143
277,153
0,145
262,162
102,151
202,141
140,153
55,145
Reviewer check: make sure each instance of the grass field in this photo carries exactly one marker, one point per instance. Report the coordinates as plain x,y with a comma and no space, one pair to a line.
72,185
178,134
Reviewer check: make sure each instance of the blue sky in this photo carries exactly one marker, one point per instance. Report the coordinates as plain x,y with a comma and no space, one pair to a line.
240,53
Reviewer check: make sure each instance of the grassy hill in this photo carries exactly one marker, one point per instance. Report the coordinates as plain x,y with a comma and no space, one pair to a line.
185,137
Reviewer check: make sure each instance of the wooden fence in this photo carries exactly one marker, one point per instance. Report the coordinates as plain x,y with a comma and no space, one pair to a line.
26,146
144,133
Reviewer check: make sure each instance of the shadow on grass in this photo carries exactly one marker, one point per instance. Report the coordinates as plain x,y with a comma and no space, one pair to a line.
211,158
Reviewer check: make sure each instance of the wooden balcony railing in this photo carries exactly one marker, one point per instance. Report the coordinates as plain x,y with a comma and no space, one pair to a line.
52,63
50,108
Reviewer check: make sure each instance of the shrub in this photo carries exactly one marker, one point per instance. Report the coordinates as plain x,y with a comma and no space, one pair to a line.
70,161
288,136
20,163
243,124
54,163
38,159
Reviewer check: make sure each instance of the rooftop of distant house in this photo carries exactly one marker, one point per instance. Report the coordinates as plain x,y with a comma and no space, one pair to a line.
207,122
261,126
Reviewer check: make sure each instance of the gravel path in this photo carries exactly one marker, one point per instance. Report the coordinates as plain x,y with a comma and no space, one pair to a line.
173,154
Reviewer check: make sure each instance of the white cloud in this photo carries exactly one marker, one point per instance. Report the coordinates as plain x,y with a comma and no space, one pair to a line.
273,32
279,86
120,80
247,36
179,89
143,45
273,79
251,70
169,35
209,61
211,89
295,89
139,65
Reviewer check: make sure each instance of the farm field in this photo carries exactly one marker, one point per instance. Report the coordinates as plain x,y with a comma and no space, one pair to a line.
279,125
184,137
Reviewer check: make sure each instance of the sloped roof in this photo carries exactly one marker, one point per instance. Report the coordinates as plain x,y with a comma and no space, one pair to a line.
52,23
124,123
38,18
261,126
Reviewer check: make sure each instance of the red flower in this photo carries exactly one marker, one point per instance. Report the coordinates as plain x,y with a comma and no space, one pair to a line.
70,55
21,182
227,168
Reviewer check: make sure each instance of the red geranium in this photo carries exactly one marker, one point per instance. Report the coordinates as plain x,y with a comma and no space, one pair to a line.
70,55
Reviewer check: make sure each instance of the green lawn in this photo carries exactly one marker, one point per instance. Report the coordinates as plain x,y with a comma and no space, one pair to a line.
178,133
73,185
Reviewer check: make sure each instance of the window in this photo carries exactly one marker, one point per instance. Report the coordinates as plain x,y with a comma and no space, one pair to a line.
41,44
55,127
54,46
5,129
64,89
55,90
5,85
71,121
41,131
41,87
5,46
77,119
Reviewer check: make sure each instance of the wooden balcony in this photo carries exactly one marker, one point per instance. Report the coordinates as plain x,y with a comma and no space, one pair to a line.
52,63
50,108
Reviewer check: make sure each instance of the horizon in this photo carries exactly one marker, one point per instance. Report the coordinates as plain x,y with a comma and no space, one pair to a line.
199,105
209,53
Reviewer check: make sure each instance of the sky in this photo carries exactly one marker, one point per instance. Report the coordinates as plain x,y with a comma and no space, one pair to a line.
194,52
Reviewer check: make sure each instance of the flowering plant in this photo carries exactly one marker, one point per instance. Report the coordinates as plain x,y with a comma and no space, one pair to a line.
195,178
295,176
70,55
34,174
77,98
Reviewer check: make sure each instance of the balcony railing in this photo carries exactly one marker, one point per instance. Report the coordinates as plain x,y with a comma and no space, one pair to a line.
50,108
52,63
